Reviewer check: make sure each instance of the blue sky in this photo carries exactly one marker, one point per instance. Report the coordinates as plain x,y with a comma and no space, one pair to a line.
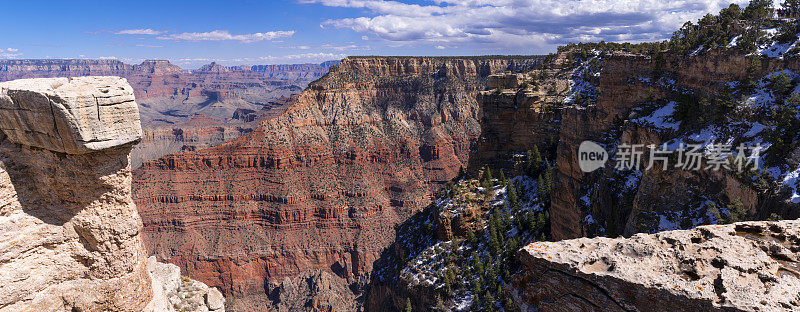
192,33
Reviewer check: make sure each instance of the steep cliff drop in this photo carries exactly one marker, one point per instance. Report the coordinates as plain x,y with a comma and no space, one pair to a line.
321,186
70,235
633,89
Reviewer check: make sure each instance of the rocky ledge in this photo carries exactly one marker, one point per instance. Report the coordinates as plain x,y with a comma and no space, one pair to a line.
70,235
749,266
70,115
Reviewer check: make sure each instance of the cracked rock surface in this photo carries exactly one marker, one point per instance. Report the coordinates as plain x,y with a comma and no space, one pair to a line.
748,266
70,115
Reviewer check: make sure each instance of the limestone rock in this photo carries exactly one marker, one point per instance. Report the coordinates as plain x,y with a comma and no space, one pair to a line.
70,115
507,80
749,266
173,292
214,300
70,235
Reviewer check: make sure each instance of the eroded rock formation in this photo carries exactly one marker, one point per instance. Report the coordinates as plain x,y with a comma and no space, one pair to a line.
70,236
749,266
175,293
321,186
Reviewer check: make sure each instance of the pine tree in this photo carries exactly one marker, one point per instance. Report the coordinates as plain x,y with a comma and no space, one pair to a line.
737,212
447,282
545,183
781,85
511,192
533,161
791,8
758,10
470,235
794,101
408,306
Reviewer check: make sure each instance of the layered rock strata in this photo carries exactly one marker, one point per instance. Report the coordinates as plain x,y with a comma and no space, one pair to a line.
238,98
321,186
749,266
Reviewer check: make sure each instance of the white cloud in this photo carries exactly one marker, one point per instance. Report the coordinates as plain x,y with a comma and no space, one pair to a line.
302,58
340,48
145,31
440,48
521,23
219,35
9,53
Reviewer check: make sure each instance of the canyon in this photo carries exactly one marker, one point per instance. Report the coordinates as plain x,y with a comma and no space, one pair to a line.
321,186
405,183
187,110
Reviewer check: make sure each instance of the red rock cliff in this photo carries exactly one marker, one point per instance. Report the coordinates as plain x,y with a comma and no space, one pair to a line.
321,186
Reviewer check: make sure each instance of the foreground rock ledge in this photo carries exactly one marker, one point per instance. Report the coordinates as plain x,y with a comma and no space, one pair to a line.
749,266
70,235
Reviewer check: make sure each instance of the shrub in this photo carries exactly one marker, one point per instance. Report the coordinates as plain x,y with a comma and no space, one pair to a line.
781,85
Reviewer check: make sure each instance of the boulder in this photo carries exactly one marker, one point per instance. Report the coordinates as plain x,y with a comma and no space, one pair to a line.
70,115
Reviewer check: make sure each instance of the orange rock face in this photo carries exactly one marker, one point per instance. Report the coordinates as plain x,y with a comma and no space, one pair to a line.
321,186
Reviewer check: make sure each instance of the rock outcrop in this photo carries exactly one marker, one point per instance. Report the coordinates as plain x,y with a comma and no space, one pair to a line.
65,115
749,266
321,186
314,291
70,236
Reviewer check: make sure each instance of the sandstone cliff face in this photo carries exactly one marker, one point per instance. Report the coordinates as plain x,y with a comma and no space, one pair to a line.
321,186
70,236
518,116
750,266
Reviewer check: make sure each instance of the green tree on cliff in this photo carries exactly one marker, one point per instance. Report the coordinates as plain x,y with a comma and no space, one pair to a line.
545,183
758,10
